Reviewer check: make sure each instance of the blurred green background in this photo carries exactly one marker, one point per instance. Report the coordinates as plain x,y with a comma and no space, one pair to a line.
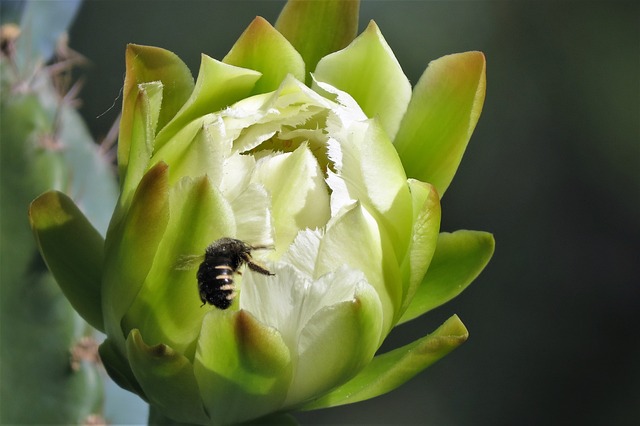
553,170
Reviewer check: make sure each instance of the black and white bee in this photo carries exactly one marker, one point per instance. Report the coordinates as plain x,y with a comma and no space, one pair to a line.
222,259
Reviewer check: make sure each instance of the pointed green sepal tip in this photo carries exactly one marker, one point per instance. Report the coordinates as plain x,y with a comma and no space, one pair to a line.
167,379
218,86
73,251
243,367
459,258
144,111
390,370
368,70
443,112
317,28
262,48
145,64
118,367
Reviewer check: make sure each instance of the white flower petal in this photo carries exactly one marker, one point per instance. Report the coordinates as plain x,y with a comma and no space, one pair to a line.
303,252
331,325
287,300
276,300
339,339
237,175
262,116
299,197
354,238
252,210
350,110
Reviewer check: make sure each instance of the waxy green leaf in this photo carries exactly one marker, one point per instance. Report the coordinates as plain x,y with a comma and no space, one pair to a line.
459,258
250,51
317,28
392,369
443,112
73,251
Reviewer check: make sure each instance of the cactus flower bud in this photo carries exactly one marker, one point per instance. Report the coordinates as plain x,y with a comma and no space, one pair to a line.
267,238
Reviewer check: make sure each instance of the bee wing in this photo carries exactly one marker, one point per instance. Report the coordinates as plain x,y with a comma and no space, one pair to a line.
188,261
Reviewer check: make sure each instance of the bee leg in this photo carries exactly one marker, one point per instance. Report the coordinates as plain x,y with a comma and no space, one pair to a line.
259,269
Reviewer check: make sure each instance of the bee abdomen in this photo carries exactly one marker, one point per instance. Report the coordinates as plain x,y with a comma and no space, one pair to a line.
215,284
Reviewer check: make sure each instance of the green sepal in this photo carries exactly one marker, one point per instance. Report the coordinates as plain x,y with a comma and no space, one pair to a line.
262,48
168,380
145,112
459,258
443,112
317,28
424,236
118,368
390,370
218,86
243,367
368,70
199,215
146,64
73,251
131,246
298,195
193,151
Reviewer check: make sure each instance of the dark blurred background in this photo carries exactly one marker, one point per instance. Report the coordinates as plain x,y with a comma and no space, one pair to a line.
553,170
